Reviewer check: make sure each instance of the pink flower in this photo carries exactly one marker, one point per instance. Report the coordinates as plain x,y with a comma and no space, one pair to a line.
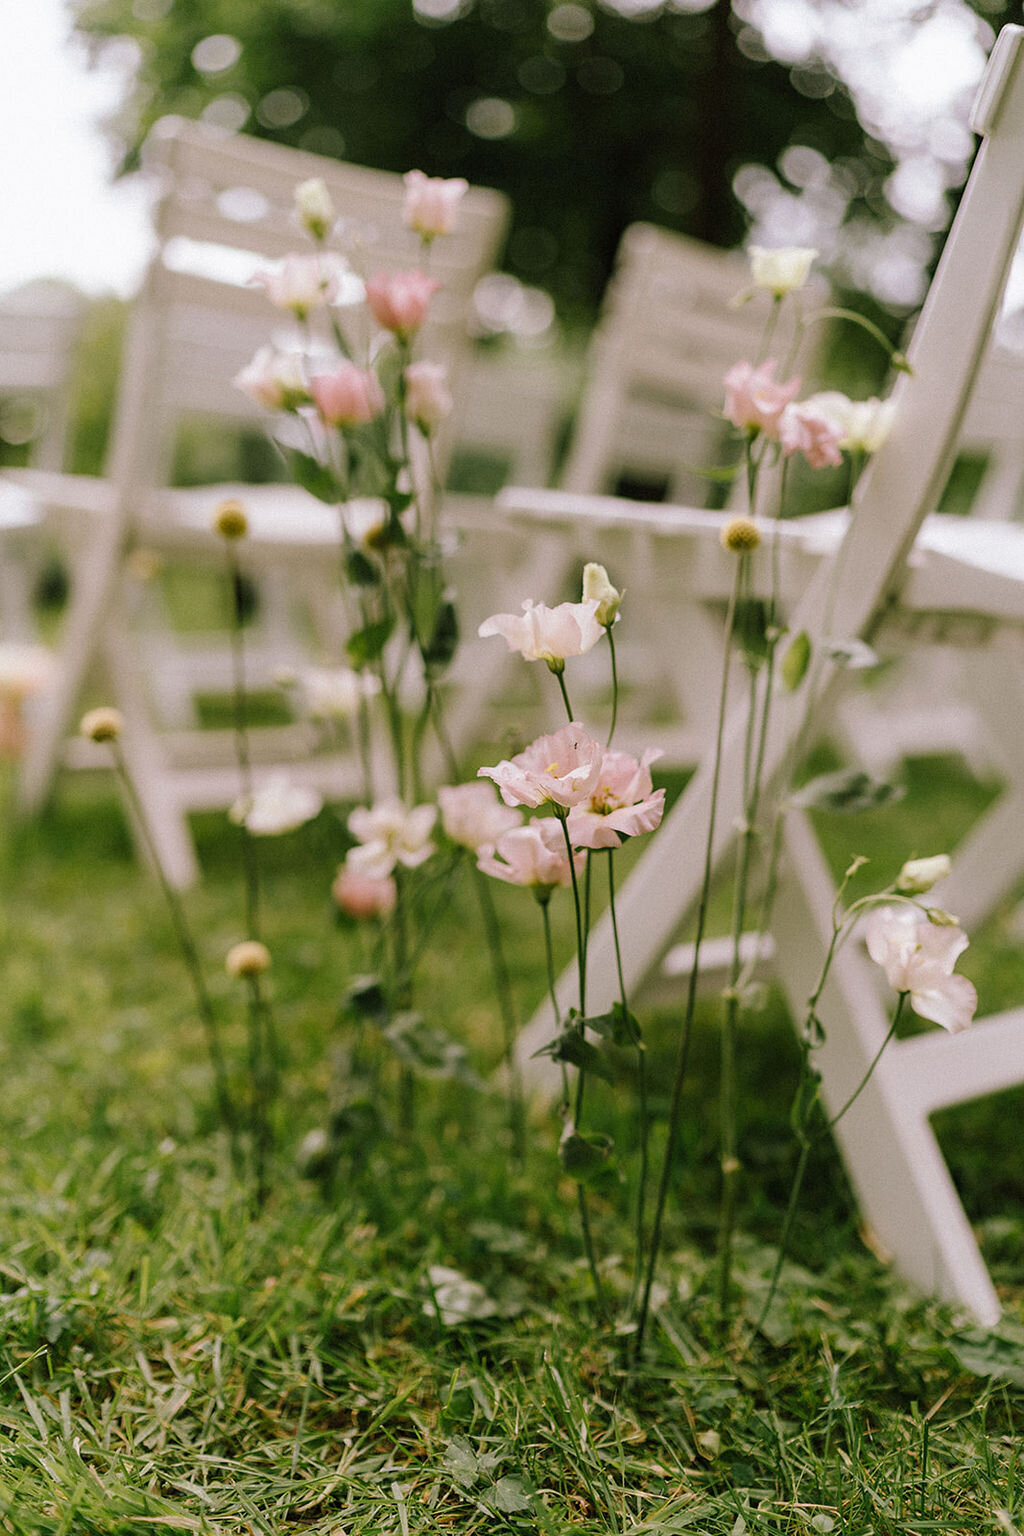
274,380
624,803
918,957
399,300
431,203
754,401
558,770
428,399
532,855
548,634
348,397
472,817
364,896
300,283
807,429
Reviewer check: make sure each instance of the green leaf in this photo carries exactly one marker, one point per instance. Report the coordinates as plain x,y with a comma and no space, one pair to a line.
508,1495
444,638
796,661
587,1158
367,644
617,1025
751,630
460,1462
429,1050
998,1352
361,569
850,790
365,998
573,1047
314,477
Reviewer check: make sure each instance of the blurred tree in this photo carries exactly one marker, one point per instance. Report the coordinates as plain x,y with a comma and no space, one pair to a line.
589,113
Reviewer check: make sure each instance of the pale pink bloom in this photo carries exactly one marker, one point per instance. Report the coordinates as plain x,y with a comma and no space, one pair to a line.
554,770
547,634
349,396
473,817
806,429
399,300
431,203
532,855
363,896
275,807
335,693
754,400
389,833
624,803
918,957
274,380
861,425
300,283
428,400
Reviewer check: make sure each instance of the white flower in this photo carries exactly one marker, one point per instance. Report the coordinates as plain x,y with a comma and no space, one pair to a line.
274,380
335,693
431,203
919,875
472,817
364,518
781,270
277,806
860,425
300,283
428,400
547,634
314,207
389,834
24,669
597,588
918,957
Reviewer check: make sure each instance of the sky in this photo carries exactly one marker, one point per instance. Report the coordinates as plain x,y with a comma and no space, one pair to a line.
62,217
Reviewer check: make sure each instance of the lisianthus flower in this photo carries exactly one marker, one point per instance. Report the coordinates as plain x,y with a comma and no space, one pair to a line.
861,425
335,693
472,817
780,270
755,400
431,203
365,518
547,634
624,803
918,957
560,770
348,396
300,283
805,428
275,380
364,896
314,206
533,855
428,400
919,875
597,588
275,807
399,300
389,833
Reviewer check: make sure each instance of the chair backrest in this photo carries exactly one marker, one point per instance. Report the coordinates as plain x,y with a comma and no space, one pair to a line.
993,431
39,328
225,212
669,331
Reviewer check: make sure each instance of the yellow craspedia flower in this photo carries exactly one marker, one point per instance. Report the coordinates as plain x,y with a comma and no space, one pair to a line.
250,958
741,535
103,724
230,520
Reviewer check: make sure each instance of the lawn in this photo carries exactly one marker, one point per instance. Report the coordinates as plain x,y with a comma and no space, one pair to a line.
174,1358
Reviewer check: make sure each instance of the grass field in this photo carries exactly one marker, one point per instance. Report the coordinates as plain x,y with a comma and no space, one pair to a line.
173,1359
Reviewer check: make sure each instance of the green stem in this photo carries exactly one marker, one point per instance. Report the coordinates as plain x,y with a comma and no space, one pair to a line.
559,672
506,1006
683,1051
258,1047
615,683
543,894
641,1073
855,1095
241,731
581,951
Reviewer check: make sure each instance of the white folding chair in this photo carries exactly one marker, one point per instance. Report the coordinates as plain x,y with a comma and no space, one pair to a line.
894,1161
225,212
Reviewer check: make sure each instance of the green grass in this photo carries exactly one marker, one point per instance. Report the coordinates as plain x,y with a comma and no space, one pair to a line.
174,1360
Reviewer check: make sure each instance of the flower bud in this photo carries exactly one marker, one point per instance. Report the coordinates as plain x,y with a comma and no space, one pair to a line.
781,271
103,724
741,535
230,521
597,588
919,875
314,207
250,958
